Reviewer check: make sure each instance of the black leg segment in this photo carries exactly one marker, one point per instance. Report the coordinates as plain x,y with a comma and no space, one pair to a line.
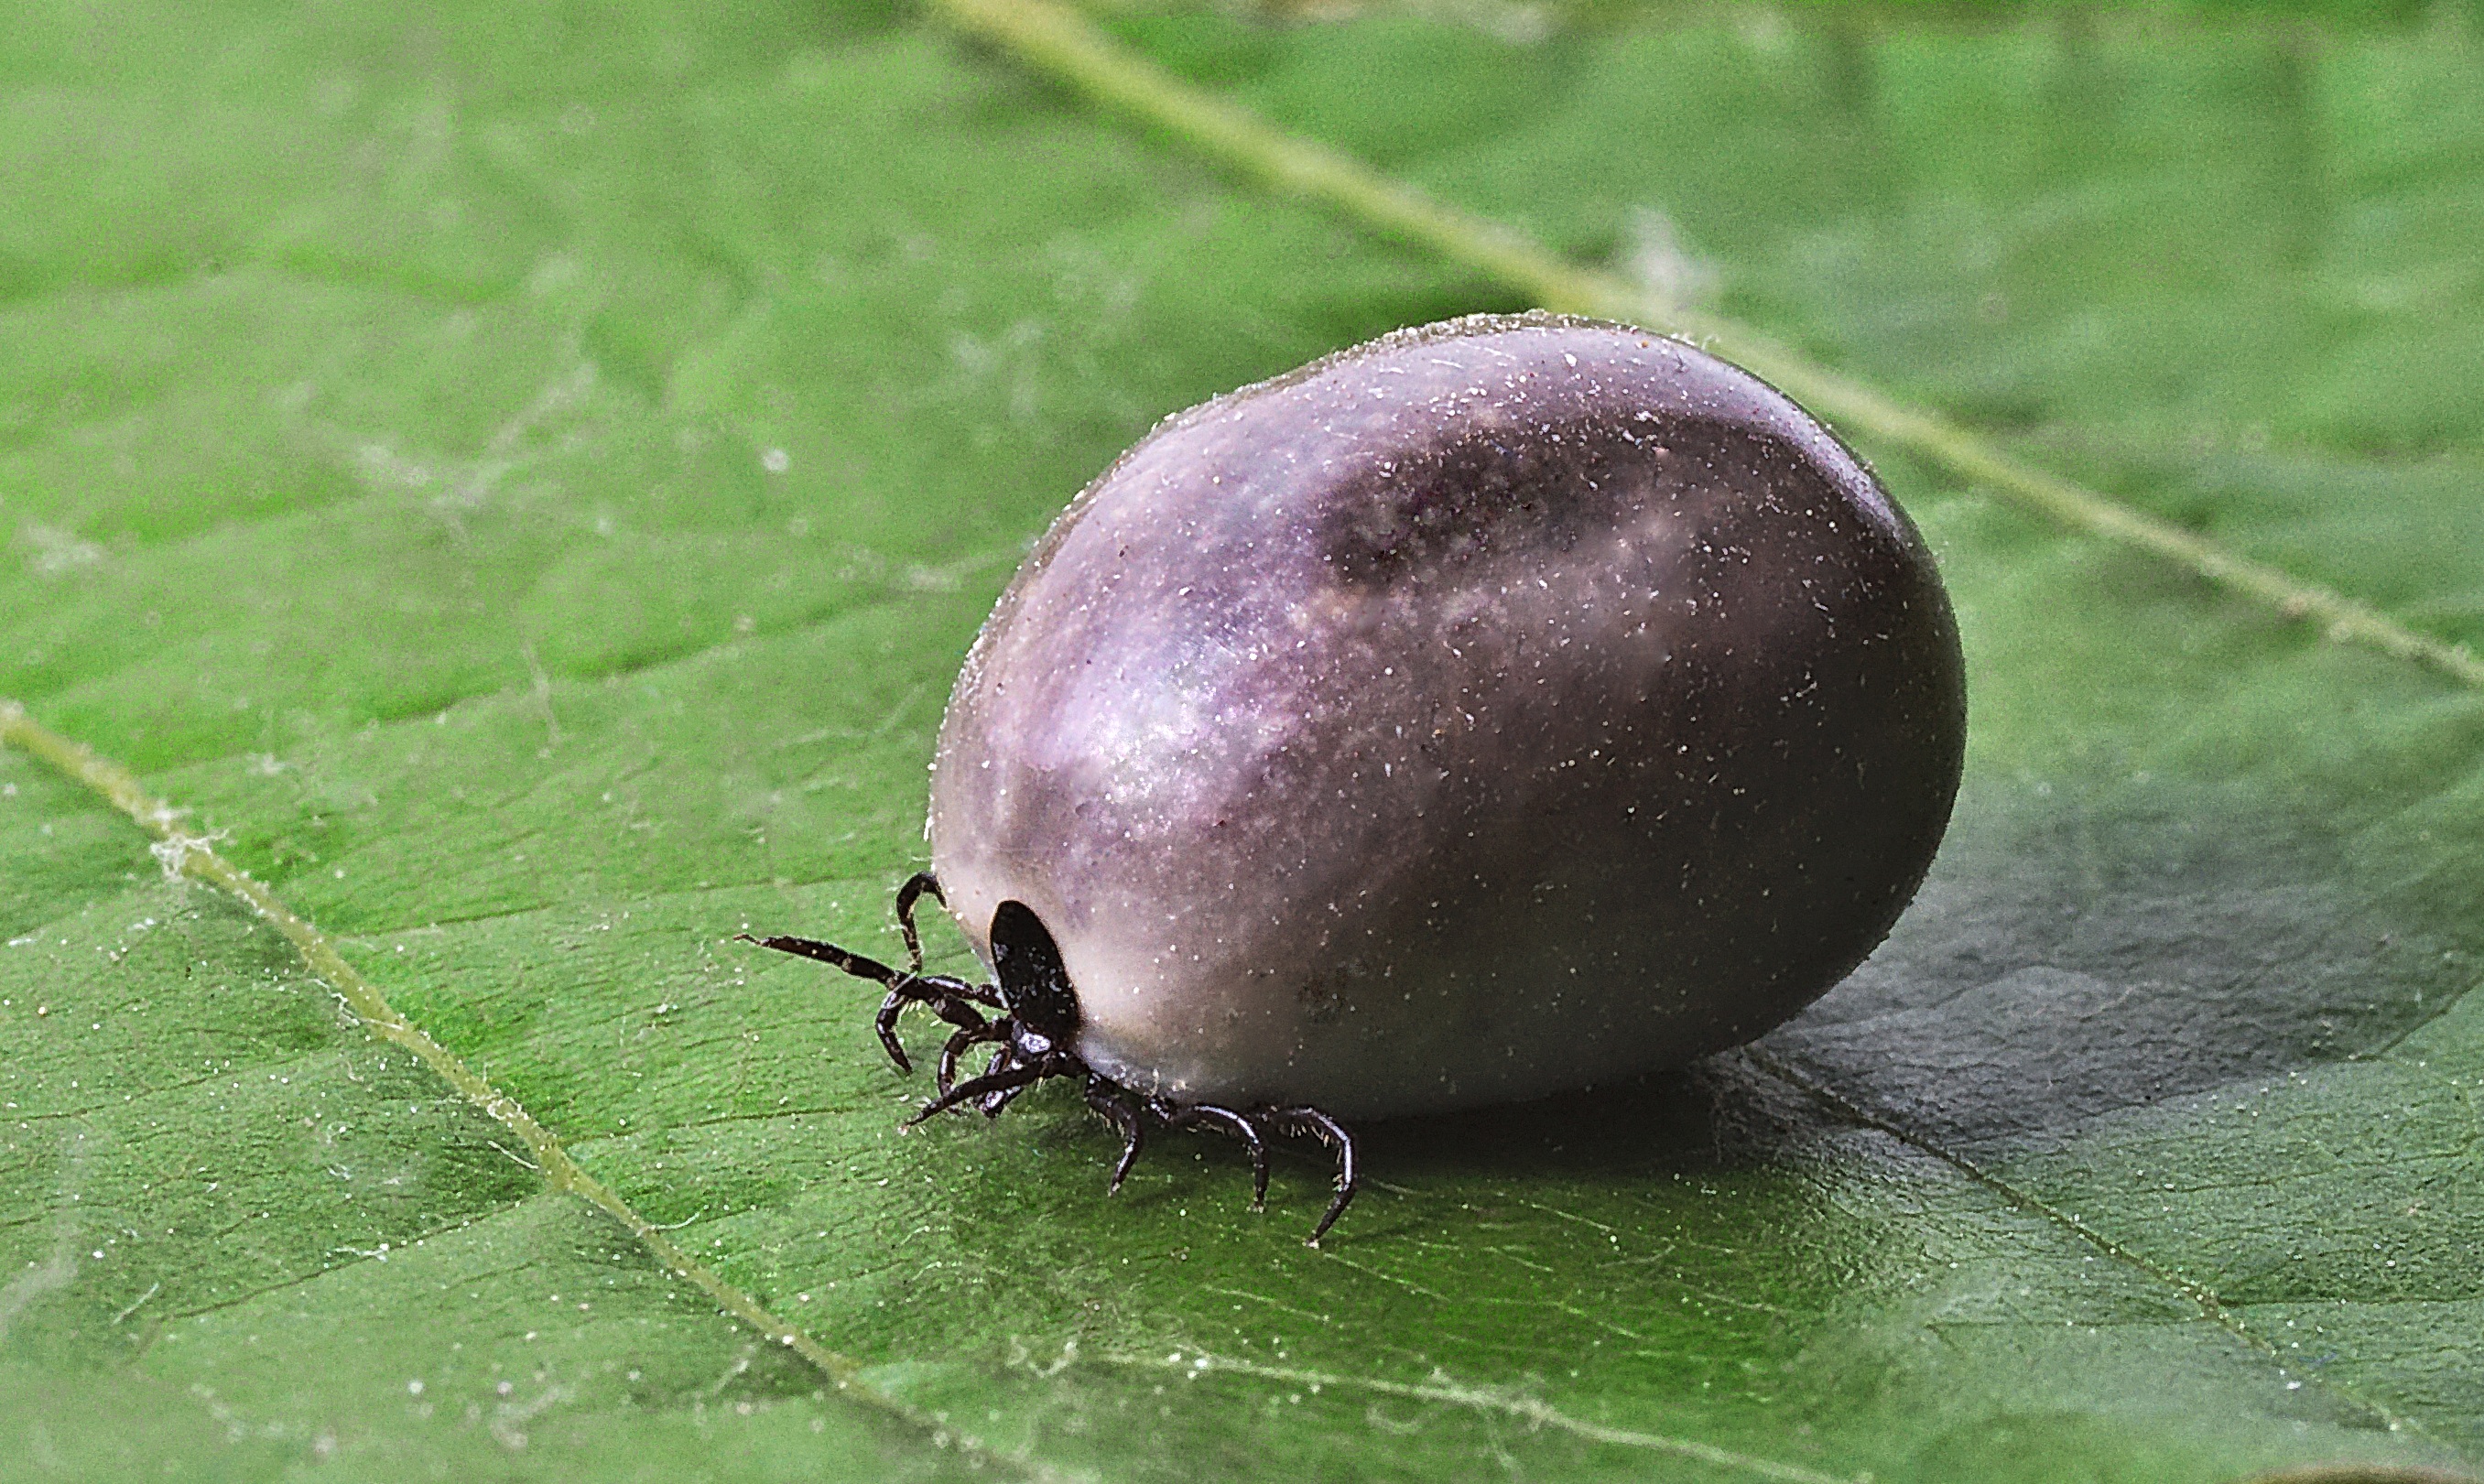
885,1023
968,1036
1119,1109
1226,1121
916,885
1036,1035
1002,1081
1329,1131
855,963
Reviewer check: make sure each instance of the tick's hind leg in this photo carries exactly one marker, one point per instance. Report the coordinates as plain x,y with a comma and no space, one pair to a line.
1253,1128
1329,1131
1226,1121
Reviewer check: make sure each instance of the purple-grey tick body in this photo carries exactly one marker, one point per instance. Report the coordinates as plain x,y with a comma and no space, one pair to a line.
1494,708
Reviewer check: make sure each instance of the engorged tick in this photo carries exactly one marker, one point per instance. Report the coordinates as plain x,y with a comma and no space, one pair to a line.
1497,708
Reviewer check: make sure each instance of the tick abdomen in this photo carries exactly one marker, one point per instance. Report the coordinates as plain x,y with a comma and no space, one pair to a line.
1488,710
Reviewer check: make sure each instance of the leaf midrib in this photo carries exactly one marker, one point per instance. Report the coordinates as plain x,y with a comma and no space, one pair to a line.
196,857
2211,1307
198,861
2205,1299
1060,43
1063,44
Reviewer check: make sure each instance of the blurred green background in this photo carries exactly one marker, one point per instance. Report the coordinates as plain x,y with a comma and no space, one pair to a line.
525,475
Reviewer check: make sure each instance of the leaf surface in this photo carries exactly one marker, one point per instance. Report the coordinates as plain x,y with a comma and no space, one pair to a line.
527,481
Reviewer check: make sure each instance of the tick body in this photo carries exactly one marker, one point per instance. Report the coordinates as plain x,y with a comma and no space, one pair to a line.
1496,709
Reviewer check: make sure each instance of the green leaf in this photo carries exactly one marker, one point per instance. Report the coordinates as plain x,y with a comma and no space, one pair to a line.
524,482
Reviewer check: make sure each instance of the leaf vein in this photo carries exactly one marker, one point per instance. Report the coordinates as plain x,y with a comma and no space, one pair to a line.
1514,1404
2212,1308
1061,42
196,857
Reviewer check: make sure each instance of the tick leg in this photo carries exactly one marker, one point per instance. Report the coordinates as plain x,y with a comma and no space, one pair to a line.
947,999
915,887
994,1103
885,1023
970,1035
1234,1124
952,999
902,988
968,1090
929,988
1118,1111
855,963
1331,1132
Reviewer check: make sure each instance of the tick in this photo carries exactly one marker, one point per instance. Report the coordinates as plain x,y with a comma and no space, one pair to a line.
1496,709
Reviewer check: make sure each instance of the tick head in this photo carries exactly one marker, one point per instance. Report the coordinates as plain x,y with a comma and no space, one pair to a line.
1033,981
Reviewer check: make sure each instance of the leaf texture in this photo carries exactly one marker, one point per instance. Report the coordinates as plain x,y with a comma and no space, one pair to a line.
524,481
